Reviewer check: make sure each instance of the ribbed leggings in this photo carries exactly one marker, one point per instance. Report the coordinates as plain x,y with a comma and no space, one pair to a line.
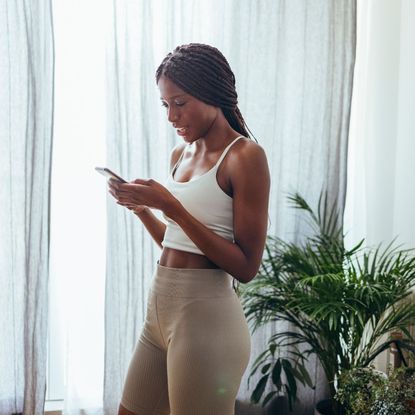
193,349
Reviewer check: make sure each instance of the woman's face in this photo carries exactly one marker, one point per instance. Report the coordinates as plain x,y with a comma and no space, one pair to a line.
190,117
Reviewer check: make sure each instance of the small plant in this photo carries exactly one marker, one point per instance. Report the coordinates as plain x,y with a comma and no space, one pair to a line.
394,396
356,391
369,392
272,368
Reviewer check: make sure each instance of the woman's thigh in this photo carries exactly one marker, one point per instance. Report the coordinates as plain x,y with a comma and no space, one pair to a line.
145,388
207,355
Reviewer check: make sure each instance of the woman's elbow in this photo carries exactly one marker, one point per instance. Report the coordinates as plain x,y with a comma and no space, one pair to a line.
246,275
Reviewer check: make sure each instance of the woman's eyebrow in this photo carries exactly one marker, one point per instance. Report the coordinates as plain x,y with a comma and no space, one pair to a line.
174,96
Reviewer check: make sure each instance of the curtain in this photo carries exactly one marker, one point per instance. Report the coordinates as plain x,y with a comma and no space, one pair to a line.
380,203
26,116
293,62
382,140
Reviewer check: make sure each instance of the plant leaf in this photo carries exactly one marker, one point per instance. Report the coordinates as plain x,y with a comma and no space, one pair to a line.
268,397
276,374
265,368
259,389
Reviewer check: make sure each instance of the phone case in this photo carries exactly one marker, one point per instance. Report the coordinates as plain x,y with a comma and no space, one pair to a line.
108,173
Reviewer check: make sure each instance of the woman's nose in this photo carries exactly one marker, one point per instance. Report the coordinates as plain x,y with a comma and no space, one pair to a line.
172,115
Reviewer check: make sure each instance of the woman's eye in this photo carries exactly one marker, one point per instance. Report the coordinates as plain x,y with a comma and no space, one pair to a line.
179,104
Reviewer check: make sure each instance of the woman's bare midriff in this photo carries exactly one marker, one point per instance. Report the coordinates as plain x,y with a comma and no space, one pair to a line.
179,259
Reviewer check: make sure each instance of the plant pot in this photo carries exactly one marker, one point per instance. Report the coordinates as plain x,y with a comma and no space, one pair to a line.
324,407
327,407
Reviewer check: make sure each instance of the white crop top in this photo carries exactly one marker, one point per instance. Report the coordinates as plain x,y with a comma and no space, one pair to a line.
204,199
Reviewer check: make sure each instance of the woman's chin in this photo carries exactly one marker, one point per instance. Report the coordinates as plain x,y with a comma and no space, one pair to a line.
188,139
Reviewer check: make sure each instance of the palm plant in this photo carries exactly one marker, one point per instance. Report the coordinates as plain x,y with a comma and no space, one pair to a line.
340,302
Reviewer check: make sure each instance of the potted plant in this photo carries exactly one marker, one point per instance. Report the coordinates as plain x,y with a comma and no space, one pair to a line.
358,388
284,372
340,303
370,392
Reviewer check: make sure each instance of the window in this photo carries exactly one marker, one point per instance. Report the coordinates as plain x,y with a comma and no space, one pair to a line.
78,198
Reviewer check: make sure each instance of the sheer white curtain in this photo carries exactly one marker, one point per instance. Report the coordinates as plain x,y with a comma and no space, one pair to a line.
26,98
381,177
381,174
293,63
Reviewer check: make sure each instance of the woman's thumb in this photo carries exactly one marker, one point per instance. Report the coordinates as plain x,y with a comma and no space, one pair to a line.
141,181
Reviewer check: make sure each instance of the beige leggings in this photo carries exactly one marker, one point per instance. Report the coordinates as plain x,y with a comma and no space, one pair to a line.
194,347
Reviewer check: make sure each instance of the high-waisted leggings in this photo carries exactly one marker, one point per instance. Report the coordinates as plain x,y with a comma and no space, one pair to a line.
193,349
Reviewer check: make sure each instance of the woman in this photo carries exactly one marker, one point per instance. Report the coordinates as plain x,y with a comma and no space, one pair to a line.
195,344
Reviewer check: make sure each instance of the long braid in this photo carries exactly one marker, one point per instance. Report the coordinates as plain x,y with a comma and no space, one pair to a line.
203,72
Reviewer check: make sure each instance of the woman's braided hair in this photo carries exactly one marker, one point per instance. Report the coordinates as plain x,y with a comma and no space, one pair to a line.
203,72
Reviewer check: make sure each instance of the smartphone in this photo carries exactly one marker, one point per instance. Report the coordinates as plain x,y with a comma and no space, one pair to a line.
110,174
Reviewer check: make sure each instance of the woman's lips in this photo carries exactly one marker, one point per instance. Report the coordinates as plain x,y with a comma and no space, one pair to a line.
182,131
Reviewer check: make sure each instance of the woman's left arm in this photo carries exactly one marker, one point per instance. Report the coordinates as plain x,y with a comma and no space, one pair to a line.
250,180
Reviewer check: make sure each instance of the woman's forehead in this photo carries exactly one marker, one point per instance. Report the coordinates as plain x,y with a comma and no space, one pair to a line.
168,89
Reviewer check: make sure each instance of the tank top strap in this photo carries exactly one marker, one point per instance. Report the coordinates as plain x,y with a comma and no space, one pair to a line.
226,151
173,170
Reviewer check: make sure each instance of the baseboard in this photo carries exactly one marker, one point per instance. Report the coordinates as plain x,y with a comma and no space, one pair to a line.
53,407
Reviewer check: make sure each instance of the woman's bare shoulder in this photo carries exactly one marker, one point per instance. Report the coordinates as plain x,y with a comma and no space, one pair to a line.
247,163
247,152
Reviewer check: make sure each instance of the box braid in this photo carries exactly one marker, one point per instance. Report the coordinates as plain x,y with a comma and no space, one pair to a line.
203,72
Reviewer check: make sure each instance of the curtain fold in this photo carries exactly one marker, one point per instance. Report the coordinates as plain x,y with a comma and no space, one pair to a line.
293,62
26,100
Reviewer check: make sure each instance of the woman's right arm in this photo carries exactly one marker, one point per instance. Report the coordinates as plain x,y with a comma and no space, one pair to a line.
154,226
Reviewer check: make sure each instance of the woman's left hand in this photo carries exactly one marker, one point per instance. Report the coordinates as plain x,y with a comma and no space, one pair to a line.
144,192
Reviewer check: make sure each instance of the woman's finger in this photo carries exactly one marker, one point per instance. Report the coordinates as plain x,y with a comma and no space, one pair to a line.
113,194
113,183
143,182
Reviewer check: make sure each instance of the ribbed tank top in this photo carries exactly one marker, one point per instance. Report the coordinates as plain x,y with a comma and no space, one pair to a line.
204,199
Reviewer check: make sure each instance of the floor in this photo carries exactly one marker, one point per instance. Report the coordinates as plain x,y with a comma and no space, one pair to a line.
276,407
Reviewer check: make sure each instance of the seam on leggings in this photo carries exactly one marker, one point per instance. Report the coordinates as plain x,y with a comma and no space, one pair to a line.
158,323
151,346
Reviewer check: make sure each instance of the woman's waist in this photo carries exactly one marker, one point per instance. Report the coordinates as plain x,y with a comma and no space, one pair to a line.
192,282
175,258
